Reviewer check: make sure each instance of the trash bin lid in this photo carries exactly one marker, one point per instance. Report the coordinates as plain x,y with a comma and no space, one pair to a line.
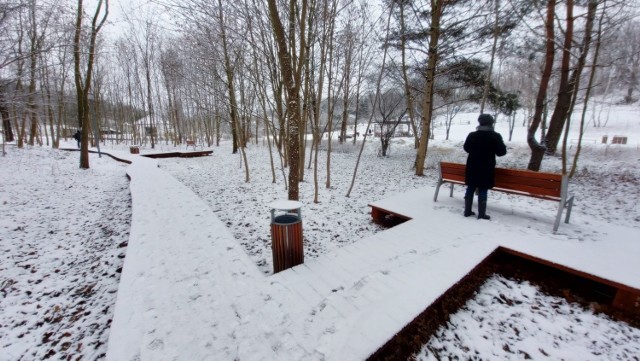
286,219
285,205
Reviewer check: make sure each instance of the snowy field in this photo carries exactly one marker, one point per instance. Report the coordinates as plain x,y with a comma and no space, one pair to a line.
63,234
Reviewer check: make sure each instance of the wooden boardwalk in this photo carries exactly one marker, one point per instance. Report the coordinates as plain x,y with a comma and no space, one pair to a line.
189,292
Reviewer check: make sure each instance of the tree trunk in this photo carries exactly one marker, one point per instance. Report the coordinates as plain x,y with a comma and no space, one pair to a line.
487,80
32,108
565,90
430,74
405,77
82,87
592,76
291,79
6,118
574,80
537,150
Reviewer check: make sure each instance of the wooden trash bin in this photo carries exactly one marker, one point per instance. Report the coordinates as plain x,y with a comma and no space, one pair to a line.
134,149
286,235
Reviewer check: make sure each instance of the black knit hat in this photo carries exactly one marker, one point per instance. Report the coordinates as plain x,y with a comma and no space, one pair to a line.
485,119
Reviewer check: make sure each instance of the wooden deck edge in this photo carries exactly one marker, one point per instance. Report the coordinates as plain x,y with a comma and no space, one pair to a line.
418,331
96,152
624,301
569,270
378,214
178,154
113,157
627,298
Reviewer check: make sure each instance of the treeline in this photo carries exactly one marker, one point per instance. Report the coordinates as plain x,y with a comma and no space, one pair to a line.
276,71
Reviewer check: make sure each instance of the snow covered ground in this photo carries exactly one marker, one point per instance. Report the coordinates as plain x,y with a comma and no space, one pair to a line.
63,236
531,325
63,233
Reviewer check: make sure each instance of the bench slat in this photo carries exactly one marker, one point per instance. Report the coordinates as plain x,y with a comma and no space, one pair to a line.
530,174
524,193
550,189
551,183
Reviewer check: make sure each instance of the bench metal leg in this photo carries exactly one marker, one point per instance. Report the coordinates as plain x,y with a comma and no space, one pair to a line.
451,191
435,196
564,193
556,224
569,206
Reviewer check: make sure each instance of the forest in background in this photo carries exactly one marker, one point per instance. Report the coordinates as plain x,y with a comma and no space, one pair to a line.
285,71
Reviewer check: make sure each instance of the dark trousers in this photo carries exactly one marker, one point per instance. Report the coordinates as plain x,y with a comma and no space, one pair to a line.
482,193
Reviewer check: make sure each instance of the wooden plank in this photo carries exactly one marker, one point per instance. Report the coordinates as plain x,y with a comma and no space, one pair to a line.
537,191
529,173
453,178
294,282
519,193
627,301
551,183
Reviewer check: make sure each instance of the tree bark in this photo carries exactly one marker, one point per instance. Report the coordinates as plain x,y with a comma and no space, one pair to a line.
292,84
565,90
592,76
229,72
6,118
494,47
430,74
405,77
537,149
83,87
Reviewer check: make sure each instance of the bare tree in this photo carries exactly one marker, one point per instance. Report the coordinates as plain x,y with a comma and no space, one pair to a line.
437,8
592,76
7,57
291,72
537,150
83,86
391,107
377,93
565,89
494,47
409,93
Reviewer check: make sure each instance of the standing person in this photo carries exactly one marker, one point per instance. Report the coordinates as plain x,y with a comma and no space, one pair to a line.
78,137
483,146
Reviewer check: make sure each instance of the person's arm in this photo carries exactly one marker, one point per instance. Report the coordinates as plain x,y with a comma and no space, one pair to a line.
467,144
501,148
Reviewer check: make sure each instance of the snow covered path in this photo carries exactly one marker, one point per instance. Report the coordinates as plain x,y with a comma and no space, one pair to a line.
182,266
188,290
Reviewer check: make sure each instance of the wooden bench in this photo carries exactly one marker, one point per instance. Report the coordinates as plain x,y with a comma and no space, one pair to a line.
619,139
549,186
192,143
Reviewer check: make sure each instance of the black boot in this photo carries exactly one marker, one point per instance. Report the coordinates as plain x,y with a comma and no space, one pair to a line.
468,204
482,209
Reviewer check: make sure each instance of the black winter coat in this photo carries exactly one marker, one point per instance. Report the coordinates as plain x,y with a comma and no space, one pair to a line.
483,146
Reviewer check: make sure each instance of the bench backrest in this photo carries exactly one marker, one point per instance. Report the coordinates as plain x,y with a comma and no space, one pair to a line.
537,184
191,142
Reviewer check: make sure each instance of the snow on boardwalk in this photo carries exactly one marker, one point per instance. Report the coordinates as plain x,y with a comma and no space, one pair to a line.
189,292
